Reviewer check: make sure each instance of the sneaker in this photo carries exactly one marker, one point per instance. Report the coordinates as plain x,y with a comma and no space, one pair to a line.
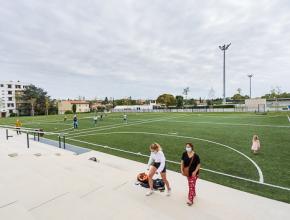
168,193
189,203
149,193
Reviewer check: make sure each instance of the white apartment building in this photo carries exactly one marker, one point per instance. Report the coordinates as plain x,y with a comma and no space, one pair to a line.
8,93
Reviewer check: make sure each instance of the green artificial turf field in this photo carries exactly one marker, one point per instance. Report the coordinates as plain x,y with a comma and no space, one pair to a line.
222,140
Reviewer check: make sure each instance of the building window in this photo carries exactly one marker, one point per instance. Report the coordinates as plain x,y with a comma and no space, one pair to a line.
9,86
9,92
18,86
9,98
1,85
10,111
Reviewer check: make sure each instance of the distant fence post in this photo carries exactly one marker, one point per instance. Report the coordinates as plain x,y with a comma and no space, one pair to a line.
7,134
27,138
63,142
59,141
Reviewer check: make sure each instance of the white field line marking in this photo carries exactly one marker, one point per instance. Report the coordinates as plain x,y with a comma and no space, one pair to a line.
174,162
105,126
261,177
49,123
76,134
95,128
92,128
288,118
231,115
222,123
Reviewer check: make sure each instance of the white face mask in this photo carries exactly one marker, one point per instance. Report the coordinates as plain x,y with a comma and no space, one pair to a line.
188,149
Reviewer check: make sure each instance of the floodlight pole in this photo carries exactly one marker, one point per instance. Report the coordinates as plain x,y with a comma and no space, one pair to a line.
224,48
250,76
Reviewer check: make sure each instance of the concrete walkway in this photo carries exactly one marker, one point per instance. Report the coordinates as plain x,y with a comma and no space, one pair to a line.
45,182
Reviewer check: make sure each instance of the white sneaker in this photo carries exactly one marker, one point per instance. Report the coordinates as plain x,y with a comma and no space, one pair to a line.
168,193
149,193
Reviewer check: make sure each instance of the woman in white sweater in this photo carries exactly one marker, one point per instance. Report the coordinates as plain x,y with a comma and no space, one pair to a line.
156,164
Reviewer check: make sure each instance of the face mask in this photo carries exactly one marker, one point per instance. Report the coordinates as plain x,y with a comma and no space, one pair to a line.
188,149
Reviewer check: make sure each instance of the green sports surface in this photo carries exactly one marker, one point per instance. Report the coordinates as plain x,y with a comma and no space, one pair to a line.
222,140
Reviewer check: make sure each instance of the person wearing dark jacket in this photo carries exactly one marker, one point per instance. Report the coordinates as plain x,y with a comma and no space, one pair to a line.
190,165
75,122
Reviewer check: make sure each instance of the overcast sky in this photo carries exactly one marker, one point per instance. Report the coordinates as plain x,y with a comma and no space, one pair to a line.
143,48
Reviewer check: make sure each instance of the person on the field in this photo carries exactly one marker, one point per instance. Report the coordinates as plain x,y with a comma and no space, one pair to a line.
95,120
125,118
190,165
156,164
64,118
101,117
18,125
75,122
255,144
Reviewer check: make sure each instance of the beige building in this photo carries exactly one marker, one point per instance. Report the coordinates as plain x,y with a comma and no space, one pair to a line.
256,104
81,106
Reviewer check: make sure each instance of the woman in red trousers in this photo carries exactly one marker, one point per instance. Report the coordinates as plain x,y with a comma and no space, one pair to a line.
190,161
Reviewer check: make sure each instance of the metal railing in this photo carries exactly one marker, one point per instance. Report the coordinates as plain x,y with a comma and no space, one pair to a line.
36,133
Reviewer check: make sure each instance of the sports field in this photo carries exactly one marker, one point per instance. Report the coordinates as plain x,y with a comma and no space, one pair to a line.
222,140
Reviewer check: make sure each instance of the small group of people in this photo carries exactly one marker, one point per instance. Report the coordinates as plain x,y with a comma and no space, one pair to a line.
96,118
189,167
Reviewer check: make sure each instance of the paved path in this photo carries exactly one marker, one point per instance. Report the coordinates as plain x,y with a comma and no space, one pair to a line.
45,183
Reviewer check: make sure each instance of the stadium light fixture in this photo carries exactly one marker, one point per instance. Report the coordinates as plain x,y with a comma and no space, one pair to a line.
250,77
224,48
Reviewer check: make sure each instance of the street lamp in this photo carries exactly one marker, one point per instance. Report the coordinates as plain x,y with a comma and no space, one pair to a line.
224,48
250,76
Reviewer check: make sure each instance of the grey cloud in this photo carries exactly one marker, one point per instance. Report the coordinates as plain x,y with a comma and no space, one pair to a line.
143,48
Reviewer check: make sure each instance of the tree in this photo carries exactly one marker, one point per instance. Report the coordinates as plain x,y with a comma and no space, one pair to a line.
238,97
276,93
192,102
166,99
32,101
185,92
46,105
106,101
114,103
74,108
179,101
211,96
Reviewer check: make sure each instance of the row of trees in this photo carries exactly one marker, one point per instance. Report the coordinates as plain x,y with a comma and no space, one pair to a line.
35,101
276,93
179,101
